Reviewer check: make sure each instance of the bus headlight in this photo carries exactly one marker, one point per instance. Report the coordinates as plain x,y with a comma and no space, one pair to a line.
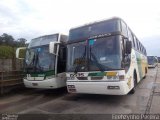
112,77
50,77
71,88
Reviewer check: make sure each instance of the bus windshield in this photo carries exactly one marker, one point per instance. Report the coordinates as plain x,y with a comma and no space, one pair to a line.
76,55
39,59
103,54
44,40
151,60
94,29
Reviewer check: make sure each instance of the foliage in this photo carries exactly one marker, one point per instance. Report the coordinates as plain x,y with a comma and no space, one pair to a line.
8,40
8,46
22,53
7,52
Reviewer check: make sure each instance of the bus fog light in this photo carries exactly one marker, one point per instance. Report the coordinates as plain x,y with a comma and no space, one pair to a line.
50,77
113,87
71,90
70,86
109,77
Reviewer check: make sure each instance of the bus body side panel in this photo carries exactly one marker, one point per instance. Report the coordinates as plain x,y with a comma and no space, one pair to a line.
133,67
139,64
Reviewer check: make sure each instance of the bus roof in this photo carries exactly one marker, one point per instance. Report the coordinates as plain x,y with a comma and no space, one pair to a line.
48,35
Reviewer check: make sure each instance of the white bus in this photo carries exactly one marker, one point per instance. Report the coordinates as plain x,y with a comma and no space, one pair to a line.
152,61
45,62
104,57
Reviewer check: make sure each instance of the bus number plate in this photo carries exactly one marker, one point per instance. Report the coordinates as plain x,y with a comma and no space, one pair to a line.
35,84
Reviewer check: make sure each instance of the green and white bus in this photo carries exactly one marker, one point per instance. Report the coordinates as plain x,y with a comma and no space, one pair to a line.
45,62
104,57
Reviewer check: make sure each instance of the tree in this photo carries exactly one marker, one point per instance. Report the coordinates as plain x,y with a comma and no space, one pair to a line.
0,40
21,41
7,39
8,47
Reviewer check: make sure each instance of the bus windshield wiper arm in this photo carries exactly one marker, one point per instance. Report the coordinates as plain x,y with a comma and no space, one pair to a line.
81,58
100,66
31,65
37,66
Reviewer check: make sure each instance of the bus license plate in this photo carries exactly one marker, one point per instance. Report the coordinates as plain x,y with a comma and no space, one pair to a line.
35,84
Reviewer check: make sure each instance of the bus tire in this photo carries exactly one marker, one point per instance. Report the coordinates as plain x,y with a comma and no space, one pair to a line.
135,83
145,73
146,70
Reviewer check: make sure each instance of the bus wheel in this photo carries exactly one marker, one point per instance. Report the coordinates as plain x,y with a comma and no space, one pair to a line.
146,70
145,73
135,83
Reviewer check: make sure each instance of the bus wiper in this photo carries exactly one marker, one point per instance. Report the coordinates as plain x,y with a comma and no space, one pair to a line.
100,66
37,66
31,65
80,59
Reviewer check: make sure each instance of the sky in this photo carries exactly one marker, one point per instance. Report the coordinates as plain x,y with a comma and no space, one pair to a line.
32,18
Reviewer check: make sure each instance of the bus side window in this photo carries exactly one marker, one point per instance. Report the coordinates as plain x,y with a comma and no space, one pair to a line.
130,37
142,49
62,60
139,47
135,43
124,29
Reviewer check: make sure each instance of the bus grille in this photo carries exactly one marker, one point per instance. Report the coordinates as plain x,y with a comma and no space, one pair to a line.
82,78
97,78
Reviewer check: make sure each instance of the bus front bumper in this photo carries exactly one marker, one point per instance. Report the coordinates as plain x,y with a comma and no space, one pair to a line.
151,66
108,88
52,83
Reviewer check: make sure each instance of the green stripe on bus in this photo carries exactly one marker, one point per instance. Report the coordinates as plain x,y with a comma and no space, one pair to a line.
97,74
43,74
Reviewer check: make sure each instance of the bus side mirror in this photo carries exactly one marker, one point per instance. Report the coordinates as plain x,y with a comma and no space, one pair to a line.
20,52
53,47
128,47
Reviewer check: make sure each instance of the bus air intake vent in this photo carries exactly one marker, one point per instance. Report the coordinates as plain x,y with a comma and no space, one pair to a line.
97,78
